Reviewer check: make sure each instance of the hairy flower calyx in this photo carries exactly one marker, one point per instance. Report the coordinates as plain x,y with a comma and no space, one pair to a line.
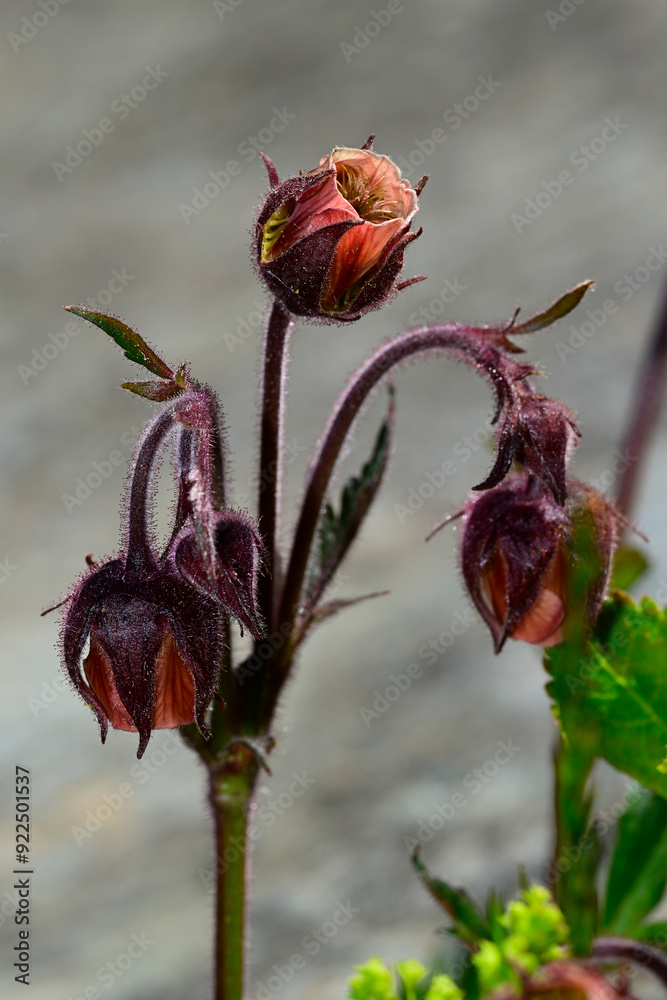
330,242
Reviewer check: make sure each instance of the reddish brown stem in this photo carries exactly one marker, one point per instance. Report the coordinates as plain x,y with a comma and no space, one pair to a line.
274,384
644,413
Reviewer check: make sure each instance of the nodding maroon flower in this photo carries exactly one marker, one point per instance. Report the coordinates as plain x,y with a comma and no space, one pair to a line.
329,244
155,623
517,557
155,646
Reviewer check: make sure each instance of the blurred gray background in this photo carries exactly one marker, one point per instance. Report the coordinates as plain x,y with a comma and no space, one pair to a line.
113,227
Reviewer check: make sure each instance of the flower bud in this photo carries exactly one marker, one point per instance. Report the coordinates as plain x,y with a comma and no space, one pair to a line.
155,622
155,646
518,560
329,244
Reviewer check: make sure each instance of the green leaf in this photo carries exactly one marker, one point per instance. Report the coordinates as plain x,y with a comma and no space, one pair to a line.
611,694
157,392
629,565
338,530
560,308
469,923
655,934
134,346
638,871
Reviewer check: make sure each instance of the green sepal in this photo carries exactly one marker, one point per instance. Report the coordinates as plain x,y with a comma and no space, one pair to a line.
157,392
557,310
134,346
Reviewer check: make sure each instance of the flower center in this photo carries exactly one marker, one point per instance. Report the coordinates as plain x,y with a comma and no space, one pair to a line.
371,202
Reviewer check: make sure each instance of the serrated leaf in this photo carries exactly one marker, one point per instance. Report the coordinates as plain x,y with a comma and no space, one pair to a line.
611,693
469,923
638,872
134,346
629,565
560,308
339,529
157,392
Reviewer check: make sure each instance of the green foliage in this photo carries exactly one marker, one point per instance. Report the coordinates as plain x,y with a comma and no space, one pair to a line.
527,934
134,346
535,932
374,981
469,924
638,872
629,566
578,850
610,693
565,304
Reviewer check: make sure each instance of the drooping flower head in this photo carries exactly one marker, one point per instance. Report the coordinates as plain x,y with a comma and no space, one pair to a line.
518,559
154,622
330,243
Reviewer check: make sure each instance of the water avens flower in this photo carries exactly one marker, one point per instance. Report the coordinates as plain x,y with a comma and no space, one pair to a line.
330,243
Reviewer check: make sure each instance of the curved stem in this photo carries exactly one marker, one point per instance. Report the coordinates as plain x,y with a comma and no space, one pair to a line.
274,385
645,408
626,950
467,343
140,556
231,785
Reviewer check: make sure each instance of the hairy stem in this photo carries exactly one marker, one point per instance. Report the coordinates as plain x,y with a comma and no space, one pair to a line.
645,409
625,950
274,385
466,343
231,784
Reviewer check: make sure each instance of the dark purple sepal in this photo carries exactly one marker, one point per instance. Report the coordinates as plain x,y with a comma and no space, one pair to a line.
518,523
239,556
298,277
538,433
